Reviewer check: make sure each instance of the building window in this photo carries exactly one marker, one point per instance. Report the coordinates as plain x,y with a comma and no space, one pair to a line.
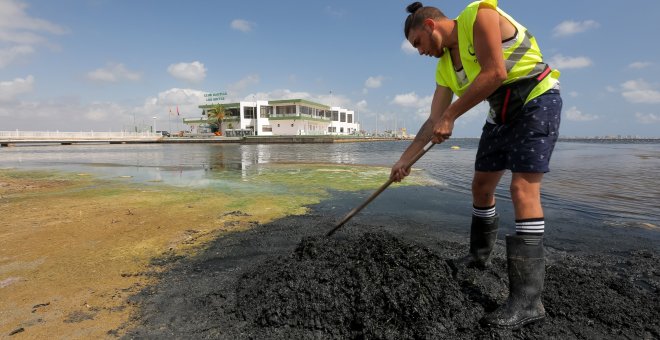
233,112
341,130
335,116
266,111
343,117
350,118
250,112
266,128
286,110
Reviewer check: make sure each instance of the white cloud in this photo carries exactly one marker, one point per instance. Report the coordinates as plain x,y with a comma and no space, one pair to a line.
242,25
569,27
561,62
64,114
20,32
422,105
574,94
244,83
640,64
639,91
193,72
406,100
164,104
9,90
407,48
647,118
102,111
374,82
8,55
113,73
577,116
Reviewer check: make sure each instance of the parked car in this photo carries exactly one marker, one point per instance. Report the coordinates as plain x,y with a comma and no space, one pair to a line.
164,133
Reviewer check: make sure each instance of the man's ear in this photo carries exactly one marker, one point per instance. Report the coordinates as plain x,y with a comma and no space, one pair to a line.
429,24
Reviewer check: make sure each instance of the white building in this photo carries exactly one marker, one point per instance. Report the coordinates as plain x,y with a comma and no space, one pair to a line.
279,117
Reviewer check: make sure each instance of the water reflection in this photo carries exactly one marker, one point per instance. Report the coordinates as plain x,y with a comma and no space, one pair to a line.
613,180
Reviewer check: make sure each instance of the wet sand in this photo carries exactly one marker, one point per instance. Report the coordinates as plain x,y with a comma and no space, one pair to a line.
73,248
386,275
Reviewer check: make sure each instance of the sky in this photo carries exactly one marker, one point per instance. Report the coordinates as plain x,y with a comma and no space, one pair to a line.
109,65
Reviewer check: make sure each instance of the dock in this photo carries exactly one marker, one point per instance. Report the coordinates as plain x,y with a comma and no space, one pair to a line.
14,138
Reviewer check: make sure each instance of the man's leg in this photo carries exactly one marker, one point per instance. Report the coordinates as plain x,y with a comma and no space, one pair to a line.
526,195
485,221
525,257
483,187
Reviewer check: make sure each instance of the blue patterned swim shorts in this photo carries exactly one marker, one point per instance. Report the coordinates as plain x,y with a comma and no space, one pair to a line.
526,144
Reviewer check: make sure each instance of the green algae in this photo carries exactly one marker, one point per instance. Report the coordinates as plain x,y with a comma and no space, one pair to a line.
279,188
306,178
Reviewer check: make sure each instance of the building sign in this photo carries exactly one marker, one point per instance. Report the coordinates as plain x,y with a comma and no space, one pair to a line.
215,96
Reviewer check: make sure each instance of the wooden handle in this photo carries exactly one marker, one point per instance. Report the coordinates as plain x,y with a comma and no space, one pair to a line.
382,188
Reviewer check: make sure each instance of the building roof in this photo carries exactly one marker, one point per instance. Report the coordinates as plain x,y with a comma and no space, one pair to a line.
297,101
270,102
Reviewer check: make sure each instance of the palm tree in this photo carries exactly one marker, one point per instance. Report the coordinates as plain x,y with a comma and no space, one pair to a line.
216,114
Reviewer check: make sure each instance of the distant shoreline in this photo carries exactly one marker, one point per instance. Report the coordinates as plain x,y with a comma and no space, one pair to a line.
294,139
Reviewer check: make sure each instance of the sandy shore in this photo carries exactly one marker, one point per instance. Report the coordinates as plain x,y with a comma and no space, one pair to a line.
73,249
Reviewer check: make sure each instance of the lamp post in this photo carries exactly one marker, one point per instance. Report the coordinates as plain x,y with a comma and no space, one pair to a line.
153,127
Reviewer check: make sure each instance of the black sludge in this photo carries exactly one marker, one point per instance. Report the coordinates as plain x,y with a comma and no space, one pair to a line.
372,286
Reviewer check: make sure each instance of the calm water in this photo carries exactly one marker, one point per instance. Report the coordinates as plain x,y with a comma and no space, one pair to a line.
617,182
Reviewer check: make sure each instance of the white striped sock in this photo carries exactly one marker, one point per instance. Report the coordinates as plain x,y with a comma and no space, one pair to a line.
530,226
484,212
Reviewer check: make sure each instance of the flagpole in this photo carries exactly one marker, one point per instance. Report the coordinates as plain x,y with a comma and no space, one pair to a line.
178,118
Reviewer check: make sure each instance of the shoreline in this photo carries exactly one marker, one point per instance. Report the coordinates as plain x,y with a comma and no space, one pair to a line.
298,139
105,251
593,290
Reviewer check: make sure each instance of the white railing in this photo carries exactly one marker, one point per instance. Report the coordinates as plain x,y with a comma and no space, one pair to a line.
84,135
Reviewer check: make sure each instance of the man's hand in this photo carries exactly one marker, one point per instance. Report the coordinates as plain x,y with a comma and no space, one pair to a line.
442,130
399,171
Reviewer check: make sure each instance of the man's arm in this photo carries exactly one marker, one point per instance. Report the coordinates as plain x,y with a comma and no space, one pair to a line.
441,100
488,49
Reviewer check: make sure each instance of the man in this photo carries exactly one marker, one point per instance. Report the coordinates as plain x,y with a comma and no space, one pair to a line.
484,54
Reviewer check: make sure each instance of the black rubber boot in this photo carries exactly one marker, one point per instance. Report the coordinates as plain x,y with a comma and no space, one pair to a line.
483,234
526,266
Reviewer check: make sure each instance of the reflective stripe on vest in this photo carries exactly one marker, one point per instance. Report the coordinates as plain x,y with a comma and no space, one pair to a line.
522,60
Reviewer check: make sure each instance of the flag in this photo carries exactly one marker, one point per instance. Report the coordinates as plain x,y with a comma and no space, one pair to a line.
177,110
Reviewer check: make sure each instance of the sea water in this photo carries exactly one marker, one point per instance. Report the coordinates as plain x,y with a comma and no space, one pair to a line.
602,179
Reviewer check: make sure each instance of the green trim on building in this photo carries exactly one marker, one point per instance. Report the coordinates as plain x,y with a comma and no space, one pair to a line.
226,106
270,102
297,102
308,118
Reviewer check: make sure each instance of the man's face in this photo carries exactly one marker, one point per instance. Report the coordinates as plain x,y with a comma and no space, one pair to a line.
427,41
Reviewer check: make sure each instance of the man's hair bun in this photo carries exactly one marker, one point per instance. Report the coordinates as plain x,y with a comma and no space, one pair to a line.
412,8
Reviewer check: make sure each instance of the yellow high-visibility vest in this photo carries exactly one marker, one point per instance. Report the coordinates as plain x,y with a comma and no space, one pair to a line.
522,59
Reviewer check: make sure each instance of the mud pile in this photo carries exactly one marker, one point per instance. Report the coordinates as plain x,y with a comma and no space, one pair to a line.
387,283
372,286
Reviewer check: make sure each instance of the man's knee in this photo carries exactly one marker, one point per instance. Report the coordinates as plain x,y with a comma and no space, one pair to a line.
524,191
483,187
